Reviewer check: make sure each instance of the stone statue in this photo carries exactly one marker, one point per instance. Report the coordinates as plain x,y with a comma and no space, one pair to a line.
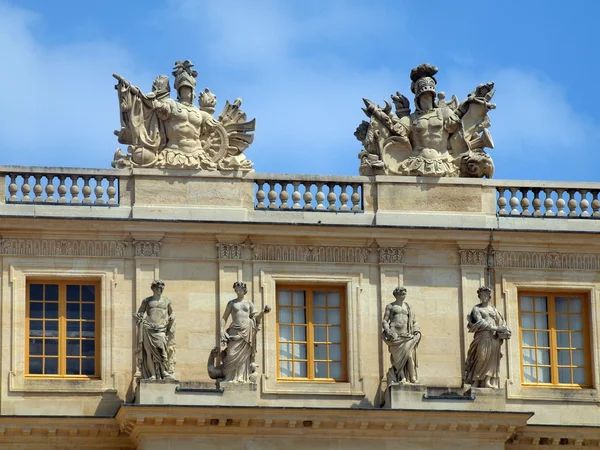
156,335
402,335
238,341
482,368
439,139
175,134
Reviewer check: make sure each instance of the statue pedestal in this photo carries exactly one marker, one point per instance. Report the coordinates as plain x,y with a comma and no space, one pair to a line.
415,396
400,396
173,392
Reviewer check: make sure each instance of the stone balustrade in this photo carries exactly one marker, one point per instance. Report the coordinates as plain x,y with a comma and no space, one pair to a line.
569,200
308,194
52,185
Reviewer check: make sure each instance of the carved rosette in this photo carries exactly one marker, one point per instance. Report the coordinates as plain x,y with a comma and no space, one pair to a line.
391,255
307,253
147,248
473,257
230,251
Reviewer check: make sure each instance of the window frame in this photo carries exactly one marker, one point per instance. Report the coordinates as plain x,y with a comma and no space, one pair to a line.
62,282
308,289
551,294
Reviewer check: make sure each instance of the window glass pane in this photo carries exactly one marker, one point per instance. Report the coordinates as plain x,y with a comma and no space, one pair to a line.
564,358
51,366
562,322
88,293
299,315
529,356
73,329
88,329
527,320
528,338
542,339
285,298
73,366
333,316
320,370
575,322
35,328
51,347
73,293
560,305
299,351
51,310
333,299
73,311
35,346
530,376
285,315
51,328
335,334
285,351
88,311
575,305
544,374
320,334
577,340
35,366
36,292
36,310
285,369
299,369
88,366
526,303
335,352
300,333
299,298
335,370
73,347
285,333
51,292
319,315
577,356
541,321
543,357
564,375
541,304
319,299
88,348
579,376
562,339
320,351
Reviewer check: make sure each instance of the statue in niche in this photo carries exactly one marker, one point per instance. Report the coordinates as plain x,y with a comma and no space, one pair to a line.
402,335
482,368
235,361
175,134
438,139
155,349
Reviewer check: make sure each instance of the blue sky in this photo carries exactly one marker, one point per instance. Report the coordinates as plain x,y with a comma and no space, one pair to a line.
301,68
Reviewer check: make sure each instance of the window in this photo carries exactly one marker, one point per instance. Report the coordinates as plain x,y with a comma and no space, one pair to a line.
554,339
62,319
311,331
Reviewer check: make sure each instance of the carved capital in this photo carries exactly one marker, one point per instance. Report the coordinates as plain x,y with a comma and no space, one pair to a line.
391,255
147,248
473,257
230,251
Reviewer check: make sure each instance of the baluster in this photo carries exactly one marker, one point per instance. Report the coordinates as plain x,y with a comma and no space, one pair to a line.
584,204
50,189
514,202
537,203
344,197
111,191
99,190
260,195
501,202
38,189
13,188
26,189
62,189
596,203
320,197
355,198
74,189
272,195
284,195
548,203
87,190
296,196
308,197
560,203
525,202
331,197
572,203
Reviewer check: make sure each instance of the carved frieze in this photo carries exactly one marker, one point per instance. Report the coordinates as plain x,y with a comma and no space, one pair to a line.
308,253
147,248
391,255
230,251
473,257
547,260
58,247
